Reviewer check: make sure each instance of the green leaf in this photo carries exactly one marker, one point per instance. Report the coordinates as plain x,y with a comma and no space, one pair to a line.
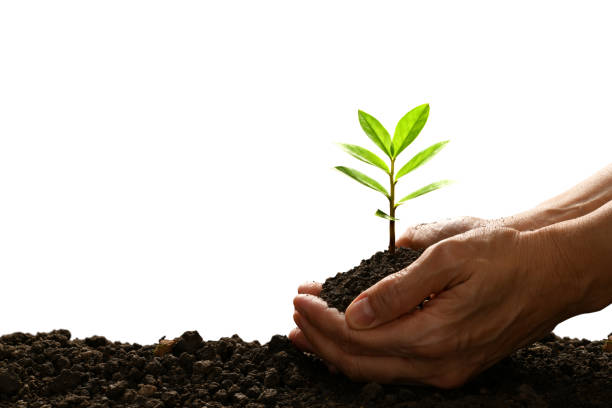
424,190
376,132
363,179
421,158
382,214
409,127
365,156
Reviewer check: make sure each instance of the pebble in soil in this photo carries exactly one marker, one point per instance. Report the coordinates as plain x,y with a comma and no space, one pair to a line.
52,370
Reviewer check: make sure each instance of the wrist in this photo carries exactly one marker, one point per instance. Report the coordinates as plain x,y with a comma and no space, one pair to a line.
542,216
557,210
546,252
576,253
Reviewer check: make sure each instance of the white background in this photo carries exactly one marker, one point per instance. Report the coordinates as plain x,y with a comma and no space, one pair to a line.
167,166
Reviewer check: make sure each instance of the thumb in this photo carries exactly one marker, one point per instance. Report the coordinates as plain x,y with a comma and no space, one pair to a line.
399,293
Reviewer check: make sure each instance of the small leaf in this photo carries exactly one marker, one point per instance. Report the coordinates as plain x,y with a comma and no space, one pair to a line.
409,127
363,179
365,156
382,214
424,190
375,131
421,158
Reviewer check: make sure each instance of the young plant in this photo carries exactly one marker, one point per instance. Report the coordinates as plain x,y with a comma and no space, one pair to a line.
407,129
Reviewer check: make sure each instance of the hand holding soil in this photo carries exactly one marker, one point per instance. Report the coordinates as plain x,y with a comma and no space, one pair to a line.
496,289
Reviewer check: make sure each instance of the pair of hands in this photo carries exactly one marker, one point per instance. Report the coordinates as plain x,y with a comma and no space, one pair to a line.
496,289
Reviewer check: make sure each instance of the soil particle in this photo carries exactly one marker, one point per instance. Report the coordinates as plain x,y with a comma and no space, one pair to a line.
240,399
146,390
9,382
203,367
189,342
268,395
61,363
66,380
117,389
96,341
272,378
51,370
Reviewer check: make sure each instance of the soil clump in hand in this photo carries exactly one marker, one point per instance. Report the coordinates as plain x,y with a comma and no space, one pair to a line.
339,291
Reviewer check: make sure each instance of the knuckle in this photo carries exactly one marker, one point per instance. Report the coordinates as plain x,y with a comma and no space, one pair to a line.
474,222
407,238
462,246
434,353
441,250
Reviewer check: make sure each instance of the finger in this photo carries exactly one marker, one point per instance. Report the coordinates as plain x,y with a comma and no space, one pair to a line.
424,235
333,324
310,288
439,268
416,237
297,337
431,370
381,369
405,335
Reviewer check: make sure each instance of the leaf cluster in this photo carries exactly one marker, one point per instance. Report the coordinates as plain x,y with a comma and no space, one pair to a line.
406,131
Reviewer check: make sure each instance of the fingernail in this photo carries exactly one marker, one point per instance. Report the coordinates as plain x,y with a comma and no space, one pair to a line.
360,314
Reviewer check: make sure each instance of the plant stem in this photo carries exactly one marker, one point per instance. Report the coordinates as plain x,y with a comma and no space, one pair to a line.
392,210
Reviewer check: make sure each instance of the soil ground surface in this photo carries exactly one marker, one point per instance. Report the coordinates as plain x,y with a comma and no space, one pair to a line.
53,370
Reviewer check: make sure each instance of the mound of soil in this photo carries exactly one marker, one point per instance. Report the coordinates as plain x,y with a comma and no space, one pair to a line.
340,290
52,370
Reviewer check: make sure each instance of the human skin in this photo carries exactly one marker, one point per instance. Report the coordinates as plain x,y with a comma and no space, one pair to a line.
496,289
580,200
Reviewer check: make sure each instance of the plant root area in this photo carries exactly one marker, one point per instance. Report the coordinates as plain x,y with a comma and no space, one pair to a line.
340,290
53,370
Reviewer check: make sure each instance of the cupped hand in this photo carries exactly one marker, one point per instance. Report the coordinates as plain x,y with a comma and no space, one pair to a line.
496,290
422,236
296,335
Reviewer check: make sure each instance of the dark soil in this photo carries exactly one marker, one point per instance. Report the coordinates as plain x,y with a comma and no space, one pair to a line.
340,290
52,370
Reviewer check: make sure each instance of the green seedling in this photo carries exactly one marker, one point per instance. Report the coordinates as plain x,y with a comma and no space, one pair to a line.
407,129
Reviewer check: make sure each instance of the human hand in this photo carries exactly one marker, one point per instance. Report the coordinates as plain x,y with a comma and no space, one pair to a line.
496,290
423,235
296,335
